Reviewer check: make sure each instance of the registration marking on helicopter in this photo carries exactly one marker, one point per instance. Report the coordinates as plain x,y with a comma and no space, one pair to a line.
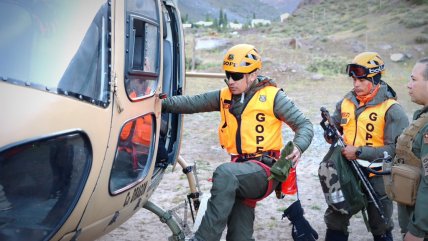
136,193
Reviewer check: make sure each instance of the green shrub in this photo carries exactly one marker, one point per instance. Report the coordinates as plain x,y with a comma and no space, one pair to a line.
419,2
414,22
359,27
327,66
207,66
421,39
198,62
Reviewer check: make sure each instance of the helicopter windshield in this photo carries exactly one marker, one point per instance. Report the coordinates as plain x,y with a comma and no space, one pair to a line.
38,193
58,46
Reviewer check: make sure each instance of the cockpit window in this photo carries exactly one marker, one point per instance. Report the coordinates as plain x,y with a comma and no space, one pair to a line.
40,184
59,46
134,153
142,49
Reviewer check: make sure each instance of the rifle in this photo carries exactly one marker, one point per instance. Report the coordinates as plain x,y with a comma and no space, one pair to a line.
356,167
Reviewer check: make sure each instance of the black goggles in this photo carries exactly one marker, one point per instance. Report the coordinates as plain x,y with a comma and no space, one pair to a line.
358,71
234,76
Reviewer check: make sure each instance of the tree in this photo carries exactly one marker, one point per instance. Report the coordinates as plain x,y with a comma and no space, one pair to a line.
207,18
220,18
185,19
225,21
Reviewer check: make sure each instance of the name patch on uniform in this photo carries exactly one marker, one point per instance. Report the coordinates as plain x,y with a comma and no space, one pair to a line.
262,98
425,165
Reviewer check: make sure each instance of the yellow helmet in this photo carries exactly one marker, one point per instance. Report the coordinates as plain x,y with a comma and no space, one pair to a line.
242,58
366,65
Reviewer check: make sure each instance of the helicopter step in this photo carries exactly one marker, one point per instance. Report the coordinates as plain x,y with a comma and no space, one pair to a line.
180,226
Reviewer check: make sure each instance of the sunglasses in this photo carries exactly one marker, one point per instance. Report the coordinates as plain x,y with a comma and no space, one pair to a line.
234,76
358,71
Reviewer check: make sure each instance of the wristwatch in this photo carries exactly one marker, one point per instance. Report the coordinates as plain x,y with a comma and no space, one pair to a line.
358,152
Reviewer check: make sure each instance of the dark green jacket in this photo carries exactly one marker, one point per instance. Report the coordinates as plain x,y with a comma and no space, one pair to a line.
418,220
395,118
284,109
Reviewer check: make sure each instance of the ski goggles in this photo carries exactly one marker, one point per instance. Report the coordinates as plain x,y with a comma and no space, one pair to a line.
358,71
234,76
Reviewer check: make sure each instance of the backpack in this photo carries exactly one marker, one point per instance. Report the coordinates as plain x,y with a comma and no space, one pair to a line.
342,189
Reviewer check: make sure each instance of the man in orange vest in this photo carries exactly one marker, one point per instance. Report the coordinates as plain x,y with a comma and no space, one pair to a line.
370,119
252,111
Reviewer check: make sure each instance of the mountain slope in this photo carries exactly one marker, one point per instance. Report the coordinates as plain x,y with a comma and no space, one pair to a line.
285,6
235,10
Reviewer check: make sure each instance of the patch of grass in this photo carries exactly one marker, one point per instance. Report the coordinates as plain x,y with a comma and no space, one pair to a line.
202,165
205,66
198,62
415,19
327,66
421,39
359,27
419,2
413,22
315,207
281,209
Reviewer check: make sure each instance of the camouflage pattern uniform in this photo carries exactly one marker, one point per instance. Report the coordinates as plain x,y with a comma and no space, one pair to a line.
414,219
395,121
232,182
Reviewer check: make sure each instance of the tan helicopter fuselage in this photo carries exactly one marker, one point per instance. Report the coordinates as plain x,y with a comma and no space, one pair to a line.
80,100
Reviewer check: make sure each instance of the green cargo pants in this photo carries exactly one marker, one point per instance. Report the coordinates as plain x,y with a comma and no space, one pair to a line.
403,217
232,183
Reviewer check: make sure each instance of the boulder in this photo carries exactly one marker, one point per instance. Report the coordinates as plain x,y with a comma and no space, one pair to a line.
397,57
317,77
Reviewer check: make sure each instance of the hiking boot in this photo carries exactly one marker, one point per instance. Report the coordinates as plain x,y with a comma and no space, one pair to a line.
335,235
384,237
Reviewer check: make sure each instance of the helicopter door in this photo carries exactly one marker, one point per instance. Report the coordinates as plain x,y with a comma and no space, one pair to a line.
129,162
172,82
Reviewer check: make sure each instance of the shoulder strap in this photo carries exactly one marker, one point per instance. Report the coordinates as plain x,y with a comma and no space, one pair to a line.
405,140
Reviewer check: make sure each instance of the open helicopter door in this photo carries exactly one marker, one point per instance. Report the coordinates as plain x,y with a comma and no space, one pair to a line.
140,147
173,82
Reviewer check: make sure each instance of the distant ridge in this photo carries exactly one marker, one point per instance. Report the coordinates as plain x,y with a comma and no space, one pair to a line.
236,10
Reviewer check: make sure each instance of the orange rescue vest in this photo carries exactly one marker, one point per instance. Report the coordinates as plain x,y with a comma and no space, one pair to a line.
368,128
257,130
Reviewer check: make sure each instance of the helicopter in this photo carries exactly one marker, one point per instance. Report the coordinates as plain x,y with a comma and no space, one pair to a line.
83,141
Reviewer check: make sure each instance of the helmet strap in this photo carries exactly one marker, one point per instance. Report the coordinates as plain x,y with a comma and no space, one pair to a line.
376,79
249,81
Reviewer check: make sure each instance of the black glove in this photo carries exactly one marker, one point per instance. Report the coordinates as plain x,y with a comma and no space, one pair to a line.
330,135
301,230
